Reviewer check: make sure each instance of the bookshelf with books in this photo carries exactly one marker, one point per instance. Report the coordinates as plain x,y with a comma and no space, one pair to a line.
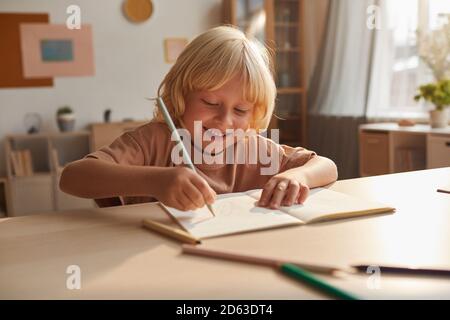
33,167
279,25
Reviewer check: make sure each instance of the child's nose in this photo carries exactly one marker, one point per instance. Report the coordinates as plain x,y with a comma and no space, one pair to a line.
225,121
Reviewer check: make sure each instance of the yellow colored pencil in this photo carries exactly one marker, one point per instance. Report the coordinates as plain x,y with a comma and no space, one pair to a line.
166,230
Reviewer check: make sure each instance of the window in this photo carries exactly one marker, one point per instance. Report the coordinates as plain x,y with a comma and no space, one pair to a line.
397,70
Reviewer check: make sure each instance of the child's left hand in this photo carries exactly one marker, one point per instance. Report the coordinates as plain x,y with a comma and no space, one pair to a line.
283,191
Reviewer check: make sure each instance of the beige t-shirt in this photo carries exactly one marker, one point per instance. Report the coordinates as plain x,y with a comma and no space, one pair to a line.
151,145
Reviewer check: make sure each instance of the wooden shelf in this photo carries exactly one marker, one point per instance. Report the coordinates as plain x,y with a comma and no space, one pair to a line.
289,50
47,135
284,33
290,90
105,133
287,24
36,189
34,175
292,143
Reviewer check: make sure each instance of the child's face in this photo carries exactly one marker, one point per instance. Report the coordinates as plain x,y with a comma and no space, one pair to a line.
221,109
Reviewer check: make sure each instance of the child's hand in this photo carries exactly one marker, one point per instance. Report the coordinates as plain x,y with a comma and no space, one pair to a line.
283,191
183,189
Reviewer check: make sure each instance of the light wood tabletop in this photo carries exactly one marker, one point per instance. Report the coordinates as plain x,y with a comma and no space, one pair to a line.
119,259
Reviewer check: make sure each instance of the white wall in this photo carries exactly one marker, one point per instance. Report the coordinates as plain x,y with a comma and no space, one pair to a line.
129,61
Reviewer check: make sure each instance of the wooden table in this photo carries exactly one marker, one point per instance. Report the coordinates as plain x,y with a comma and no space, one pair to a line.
120,259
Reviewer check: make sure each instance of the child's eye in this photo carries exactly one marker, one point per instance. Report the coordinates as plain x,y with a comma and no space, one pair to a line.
210,103
241,111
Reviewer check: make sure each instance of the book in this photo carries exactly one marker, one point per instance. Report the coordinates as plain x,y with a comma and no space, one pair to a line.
27,162
22,163
238,212
17,166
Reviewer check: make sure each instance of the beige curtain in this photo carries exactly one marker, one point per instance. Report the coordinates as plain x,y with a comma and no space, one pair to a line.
338,90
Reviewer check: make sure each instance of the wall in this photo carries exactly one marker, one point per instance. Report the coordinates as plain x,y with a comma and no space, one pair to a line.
129,61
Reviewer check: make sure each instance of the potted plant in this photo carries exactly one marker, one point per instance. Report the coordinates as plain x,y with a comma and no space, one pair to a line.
65,118
438,93
434,50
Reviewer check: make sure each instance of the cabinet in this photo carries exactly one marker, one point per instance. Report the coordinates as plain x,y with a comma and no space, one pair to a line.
374,153
105,133
34,163
36,189
279,24
388,148
438,151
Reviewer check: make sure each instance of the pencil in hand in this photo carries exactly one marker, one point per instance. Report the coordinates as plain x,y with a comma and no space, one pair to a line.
173,129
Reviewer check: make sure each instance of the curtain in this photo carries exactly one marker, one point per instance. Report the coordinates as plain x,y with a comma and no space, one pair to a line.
338,91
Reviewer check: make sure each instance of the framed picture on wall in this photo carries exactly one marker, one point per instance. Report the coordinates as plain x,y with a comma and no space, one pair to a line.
50,50
11,74
173,47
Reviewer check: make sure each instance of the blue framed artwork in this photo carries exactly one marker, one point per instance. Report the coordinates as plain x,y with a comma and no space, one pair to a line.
56,50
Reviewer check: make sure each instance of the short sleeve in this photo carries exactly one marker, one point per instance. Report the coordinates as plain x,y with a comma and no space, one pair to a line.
294,157
124,150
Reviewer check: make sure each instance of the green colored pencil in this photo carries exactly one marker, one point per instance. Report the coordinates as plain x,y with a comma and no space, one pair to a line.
306,277
288,268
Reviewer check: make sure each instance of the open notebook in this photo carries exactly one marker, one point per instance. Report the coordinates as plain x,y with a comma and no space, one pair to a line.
238,212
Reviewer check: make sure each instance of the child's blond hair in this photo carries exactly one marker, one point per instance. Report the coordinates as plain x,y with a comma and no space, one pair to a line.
211,60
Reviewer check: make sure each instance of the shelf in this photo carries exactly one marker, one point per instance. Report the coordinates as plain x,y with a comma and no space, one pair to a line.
47,135
36,188
290,90
68,148
105,133
35,175
38,158
283,33
291,143
288,50
287,24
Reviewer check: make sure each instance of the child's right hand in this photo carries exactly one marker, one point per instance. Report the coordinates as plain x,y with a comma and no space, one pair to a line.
183,189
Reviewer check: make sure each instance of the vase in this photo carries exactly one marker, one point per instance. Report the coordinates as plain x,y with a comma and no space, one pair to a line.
66,122
439,118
